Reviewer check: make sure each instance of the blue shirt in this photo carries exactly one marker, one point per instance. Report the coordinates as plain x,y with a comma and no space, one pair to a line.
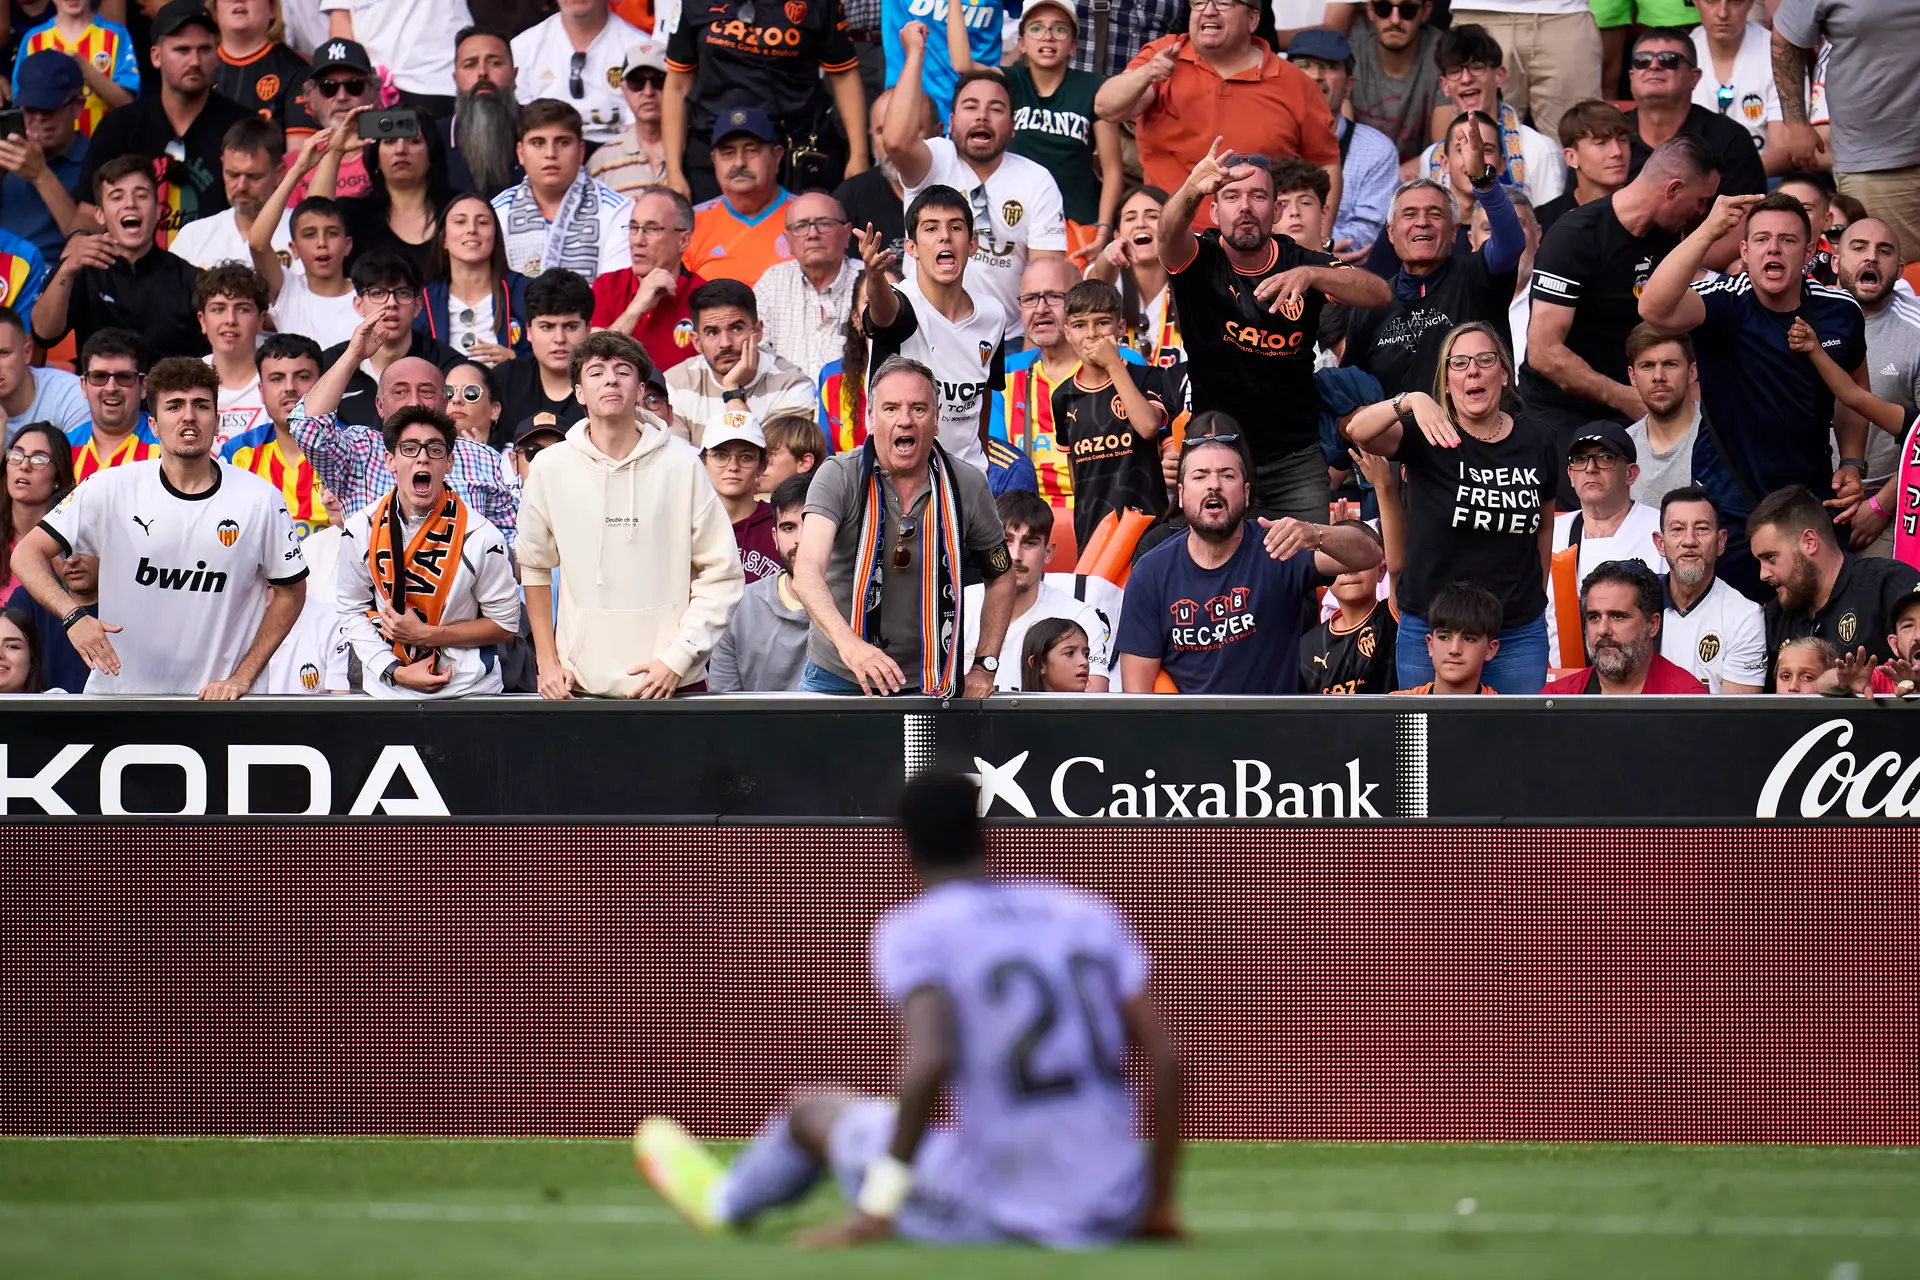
1766,402
1009,469
23,273
1231,630
937,75
26,214
1368,174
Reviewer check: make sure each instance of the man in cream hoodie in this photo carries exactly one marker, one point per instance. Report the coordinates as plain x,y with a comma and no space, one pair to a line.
650,573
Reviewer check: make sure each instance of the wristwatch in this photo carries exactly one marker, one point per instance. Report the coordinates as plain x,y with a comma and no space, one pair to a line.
988,662
386,677
1397,410
733,393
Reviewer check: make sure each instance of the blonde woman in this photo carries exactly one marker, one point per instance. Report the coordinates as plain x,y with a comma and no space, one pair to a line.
1480,480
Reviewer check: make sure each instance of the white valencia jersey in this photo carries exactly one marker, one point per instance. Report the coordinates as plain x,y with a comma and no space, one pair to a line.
483,587
313,657
1723,637
184,575
1015,211
968,360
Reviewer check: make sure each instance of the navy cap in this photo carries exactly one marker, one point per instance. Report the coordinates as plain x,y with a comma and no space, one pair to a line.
182,13
538,424
750,120
1610,436
48,81
337,55
1321,43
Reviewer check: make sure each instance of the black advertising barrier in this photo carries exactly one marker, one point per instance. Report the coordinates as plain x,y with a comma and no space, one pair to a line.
1108,759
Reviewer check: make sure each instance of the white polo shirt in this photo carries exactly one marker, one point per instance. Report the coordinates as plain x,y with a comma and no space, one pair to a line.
1015,211
1723,637
544,56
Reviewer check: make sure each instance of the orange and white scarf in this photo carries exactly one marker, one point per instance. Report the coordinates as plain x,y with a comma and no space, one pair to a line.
420,579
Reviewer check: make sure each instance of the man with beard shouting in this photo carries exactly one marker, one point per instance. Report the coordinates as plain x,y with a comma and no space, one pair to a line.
1249,304
1621,604
484,129
1867,260
1220,607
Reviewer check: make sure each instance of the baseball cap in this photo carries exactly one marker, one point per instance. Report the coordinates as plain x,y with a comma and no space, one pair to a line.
751,120
1064,6
644,55
1321,44
180,13
341,55
1609,435
734,425
49,80
1911,600
538,424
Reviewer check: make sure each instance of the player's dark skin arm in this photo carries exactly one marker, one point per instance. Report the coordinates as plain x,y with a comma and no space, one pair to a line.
1147,1033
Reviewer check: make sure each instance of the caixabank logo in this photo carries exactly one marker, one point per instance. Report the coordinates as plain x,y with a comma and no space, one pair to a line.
1074,785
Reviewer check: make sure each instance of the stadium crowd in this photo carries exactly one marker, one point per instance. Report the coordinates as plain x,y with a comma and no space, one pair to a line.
437,348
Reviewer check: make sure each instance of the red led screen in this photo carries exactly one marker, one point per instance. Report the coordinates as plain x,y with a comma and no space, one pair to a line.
1673,984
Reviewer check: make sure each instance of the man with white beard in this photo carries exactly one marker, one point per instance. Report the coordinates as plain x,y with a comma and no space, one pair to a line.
1708,628
485,126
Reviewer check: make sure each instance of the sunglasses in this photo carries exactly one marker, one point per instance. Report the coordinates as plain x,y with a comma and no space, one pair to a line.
577,75
647,80
354,85
1234,159
1724,96
1194,442
529,451
1665,59
469,394
1386,9
902,552
100,378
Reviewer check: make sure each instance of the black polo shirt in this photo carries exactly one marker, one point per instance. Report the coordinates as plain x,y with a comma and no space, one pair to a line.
1859,611
1741,173
356,402
152,297
187,166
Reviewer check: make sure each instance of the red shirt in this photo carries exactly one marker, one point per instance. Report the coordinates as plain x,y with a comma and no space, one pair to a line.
1662,677
758,556
666,331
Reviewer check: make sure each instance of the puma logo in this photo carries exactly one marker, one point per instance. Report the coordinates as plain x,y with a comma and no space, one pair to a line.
1320,659
146,526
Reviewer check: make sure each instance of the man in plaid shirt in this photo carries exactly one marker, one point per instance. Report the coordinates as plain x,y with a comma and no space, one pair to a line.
352,460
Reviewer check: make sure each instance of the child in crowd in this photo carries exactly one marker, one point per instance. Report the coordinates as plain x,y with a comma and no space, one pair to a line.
795,446
1353,651
317,299
1463,634
1054,658
1801,665
1109,418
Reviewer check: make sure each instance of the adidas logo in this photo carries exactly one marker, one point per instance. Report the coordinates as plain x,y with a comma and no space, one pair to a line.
1891,371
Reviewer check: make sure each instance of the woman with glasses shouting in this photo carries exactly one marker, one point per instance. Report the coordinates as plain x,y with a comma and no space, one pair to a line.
1479,488
38,473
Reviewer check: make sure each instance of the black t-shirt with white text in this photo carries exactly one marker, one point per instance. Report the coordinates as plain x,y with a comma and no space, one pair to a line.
1592,263
1254,364
1337,659
1474,514
1113,467
1400,343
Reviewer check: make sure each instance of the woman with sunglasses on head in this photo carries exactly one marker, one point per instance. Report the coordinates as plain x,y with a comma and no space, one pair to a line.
473,302
1478,495
406,189
38,473
1131,262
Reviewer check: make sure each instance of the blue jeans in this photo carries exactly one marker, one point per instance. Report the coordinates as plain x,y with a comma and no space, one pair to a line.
817,679
1519,667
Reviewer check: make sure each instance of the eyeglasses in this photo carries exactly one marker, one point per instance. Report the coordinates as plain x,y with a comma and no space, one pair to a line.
643,80
577,75
434,449
354,85
528,451
1052,297
902,552
648,230
32,461
402,295
1665,59
1466,69
1484,359
1058,30
1386,9
121,378
733,459
808,226
1593,461
469,394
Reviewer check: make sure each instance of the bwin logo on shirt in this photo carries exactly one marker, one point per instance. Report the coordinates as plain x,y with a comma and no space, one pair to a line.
197,578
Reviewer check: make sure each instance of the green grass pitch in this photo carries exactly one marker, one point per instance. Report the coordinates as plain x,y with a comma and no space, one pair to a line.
561,1210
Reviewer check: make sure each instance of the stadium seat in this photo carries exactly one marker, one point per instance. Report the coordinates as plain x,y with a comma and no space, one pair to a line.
1066,549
